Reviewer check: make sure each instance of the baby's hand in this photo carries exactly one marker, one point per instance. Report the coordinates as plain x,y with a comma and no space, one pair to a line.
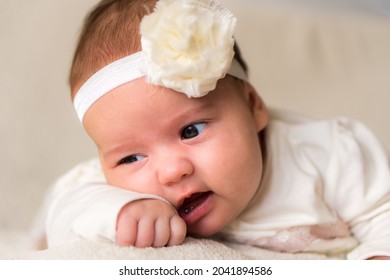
149,222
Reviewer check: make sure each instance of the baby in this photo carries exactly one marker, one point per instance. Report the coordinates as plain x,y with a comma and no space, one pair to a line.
187,146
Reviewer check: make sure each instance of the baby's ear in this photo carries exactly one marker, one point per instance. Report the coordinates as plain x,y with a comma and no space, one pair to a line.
256,105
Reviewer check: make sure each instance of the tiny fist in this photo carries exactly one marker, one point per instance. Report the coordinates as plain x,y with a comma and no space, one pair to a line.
149,223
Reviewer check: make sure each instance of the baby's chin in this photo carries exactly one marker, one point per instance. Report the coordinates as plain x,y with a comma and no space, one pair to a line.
203,229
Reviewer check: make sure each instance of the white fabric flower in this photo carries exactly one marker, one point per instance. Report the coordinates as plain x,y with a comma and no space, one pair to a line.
189,45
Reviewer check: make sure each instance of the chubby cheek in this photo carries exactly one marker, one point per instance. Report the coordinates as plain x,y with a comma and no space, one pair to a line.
138,182
234,177
237,166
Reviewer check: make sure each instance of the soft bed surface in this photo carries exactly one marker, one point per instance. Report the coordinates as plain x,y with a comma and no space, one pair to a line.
191,249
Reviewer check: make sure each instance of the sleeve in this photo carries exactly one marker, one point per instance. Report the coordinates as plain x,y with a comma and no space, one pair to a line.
81,205
358,180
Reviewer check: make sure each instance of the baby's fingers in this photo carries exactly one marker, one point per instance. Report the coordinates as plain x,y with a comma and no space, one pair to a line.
162,232
126,234
145,233
178,231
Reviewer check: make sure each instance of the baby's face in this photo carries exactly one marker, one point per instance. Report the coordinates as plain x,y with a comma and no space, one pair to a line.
202,154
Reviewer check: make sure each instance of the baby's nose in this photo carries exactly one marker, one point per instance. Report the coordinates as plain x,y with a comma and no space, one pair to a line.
172,171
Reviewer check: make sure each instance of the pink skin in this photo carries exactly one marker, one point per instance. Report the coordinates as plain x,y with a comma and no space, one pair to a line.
203,155
380,258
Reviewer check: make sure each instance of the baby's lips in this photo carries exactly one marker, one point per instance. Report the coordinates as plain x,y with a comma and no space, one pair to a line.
190,203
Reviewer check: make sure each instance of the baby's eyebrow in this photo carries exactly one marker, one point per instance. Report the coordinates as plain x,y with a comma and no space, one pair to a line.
115,150
199,108
111,152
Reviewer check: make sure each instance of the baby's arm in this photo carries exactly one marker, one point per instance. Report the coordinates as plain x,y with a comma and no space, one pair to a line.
360,189
82,205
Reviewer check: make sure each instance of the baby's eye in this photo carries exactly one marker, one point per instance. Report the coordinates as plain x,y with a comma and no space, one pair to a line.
192,130
130,159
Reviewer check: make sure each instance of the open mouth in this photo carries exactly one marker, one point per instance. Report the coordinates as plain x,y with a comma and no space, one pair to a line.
192,203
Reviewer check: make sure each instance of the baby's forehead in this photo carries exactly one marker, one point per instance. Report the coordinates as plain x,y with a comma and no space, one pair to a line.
138,100
144,99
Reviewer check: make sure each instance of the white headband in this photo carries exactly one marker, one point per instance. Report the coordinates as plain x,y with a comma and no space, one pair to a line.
179,51
119,73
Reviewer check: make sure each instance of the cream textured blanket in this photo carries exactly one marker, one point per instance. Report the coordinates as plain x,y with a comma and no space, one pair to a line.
191,249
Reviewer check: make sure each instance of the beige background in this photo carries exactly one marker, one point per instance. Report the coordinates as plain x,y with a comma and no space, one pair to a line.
321,61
